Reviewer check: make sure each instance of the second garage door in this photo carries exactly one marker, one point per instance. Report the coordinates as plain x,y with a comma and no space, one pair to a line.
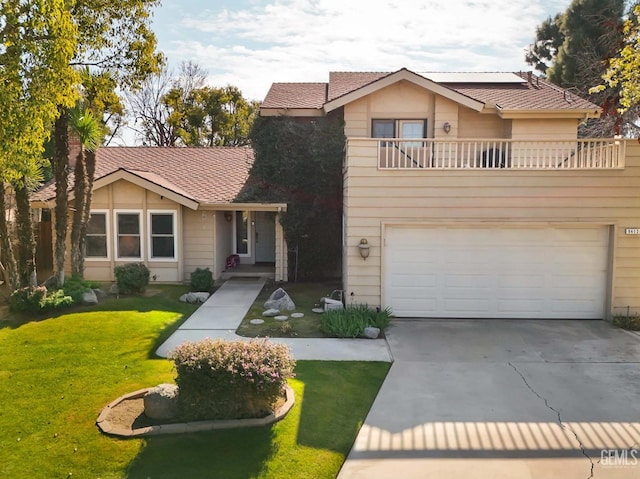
496,272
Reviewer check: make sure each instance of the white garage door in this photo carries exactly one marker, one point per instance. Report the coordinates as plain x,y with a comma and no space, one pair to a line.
490,272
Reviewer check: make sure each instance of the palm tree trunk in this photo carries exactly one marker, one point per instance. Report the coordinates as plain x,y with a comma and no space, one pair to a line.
26,240
7,257
60,166
90,172
79,192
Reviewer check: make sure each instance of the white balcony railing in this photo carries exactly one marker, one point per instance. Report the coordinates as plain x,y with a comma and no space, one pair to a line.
411,154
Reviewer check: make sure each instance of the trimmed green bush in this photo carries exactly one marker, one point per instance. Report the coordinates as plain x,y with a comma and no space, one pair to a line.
132,277
351,321
202,280
230,379
75,286
38,299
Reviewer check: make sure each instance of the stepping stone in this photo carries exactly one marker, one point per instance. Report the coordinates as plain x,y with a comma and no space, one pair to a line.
318,310
271,312
281,318
297,315
257,321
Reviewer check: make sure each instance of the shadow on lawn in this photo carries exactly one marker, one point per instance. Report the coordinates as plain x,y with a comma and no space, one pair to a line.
231,454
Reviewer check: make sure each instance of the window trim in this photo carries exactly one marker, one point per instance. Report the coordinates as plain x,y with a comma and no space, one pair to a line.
107,236
174,214
397,125
116,212
249,252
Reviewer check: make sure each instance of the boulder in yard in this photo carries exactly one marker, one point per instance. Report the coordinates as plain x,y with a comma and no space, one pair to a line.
161,402
89,297
279,299
371,332
270,313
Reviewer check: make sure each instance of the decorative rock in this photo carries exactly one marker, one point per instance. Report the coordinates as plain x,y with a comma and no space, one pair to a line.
51,283
279,299
193,298
297,315
270,313
281,318
89,297
114,289
99,293
371,332
317,310
161,402
257,321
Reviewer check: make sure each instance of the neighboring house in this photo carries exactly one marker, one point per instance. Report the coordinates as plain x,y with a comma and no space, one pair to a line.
174,210
475,196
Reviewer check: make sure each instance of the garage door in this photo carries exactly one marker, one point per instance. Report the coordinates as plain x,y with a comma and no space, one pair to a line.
491,272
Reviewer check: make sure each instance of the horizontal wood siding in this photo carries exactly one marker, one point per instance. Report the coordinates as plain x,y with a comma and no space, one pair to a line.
199,229
481,125
374,197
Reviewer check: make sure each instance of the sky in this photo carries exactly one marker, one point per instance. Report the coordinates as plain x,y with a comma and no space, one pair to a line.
253,43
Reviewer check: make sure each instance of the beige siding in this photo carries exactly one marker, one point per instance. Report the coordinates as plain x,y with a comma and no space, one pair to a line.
482,125
127,196
223,243
446,111
551,129
282,268
198,245
374,197
402,100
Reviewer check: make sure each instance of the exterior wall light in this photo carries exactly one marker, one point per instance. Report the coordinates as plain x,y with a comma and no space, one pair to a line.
228,215
363,247
446,127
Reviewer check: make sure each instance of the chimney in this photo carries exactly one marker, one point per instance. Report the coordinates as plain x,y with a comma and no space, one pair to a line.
75,147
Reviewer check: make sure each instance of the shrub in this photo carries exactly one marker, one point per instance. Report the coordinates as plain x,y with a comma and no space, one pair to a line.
631,322
230,379
202,280
132,277
75,286
34,300
351,321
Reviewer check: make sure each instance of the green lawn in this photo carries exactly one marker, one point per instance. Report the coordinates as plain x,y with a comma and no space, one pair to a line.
56,375
306,296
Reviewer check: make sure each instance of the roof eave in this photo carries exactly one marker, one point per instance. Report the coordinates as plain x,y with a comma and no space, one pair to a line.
580,114
244,206
395,77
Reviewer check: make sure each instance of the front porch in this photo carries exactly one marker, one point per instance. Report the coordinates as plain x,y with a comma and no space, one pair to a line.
258,270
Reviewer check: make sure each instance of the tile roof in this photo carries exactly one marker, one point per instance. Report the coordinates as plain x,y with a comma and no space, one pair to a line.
536,94
207,175
296,95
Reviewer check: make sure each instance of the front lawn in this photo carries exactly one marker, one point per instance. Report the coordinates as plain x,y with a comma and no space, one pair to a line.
56,375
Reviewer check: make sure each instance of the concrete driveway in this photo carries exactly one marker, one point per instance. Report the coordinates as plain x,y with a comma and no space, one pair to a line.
504,399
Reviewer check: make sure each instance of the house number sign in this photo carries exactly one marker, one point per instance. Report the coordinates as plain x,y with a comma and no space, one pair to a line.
632,231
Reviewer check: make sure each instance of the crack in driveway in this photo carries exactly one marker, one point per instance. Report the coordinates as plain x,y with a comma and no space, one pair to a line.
560,422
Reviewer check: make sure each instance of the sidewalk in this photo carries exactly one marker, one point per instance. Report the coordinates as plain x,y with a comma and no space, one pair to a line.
222,313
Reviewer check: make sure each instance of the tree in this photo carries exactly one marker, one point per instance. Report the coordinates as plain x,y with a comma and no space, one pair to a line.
572,49
88,130
37,41
623,74
180,110
114,39
286,151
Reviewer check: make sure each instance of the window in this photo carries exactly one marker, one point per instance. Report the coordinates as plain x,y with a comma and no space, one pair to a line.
242,225
96,245
383,128
162,236
128,242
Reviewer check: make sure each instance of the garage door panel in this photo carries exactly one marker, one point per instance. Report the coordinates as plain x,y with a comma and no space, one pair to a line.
498,272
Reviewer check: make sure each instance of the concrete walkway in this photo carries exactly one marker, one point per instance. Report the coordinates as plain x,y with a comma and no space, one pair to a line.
222,313
504,399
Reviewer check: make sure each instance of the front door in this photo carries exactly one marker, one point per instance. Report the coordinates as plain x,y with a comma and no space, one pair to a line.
265,237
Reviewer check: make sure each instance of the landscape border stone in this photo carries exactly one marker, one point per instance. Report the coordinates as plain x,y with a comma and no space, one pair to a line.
107,427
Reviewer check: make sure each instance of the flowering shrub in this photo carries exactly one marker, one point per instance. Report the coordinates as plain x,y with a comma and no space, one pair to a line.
34,300
230,379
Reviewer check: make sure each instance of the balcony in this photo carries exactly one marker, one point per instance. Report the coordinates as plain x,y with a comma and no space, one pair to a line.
581,154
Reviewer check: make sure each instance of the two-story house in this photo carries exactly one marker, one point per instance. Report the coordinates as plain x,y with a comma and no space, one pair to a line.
470,195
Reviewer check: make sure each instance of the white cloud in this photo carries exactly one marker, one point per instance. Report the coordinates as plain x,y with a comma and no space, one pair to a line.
302,40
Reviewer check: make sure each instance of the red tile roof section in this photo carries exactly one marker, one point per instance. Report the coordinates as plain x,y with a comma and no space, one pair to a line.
536,94
296,95
208,175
